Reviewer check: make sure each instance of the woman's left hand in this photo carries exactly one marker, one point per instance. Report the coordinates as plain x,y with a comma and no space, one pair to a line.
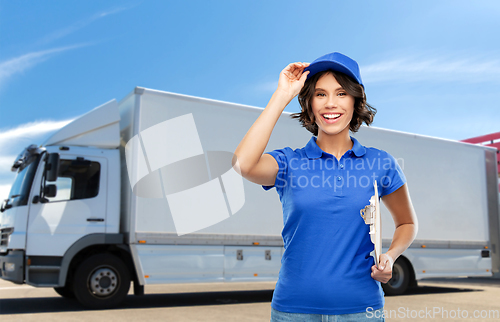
383,273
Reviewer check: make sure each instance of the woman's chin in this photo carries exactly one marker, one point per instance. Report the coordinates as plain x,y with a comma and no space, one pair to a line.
332,131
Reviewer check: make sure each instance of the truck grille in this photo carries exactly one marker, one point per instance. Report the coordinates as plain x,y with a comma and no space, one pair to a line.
5,233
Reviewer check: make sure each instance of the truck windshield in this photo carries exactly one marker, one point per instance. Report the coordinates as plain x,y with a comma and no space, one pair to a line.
19,193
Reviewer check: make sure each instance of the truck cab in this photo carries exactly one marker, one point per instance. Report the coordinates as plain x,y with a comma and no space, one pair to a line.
65,198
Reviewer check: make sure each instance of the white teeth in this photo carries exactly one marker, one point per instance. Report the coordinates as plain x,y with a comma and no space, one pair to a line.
328,116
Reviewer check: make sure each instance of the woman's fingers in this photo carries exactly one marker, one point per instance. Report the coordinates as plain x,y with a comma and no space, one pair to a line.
303,77
296,69
292,78
381,275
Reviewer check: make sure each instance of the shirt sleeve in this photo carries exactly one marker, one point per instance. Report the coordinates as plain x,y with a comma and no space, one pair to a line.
280,182
394,177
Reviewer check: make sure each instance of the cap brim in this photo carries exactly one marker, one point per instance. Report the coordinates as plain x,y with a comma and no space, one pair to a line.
320,66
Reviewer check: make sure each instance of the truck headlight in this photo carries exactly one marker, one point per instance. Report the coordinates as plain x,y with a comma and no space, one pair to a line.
10,267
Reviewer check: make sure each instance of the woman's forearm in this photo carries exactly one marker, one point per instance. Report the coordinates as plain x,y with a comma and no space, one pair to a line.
402,239
254,143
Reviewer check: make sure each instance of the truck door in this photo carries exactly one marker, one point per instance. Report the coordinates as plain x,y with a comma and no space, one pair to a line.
78,209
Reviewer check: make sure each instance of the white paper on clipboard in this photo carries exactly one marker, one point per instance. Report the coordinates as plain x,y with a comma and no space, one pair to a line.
371,215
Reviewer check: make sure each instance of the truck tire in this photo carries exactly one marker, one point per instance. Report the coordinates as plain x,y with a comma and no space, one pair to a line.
400,280
101,281
65,291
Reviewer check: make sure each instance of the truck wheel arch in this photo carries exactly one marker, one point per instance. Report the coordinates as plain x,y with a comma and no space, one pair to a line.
93,244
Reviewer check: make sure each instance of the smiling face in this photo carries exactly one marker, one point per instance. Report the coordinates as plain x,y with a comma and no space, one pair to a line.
332,106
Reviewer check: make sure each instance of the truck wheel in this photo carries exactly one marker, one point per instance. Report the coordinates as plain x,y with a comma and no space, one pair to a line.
65,291
400,280
101,281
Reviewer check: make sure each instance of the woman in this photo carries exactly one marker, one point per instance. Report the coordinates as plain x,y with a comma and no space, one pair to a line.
326,267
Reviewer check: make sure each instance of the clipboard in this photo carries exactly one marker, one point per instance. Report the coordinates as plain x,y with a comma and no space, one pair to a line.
371,216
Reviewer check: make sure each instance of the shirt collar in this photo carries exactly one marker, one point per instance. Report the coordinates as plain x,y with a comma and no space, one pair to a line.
313,151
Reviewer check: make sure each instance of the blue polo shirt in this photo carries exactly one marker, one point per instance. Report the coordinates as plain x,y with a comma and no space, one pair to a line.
326,265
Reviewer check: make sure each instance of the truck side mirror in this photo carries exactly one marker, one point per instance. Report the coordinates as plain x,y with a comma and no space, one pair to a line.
52,167
50,191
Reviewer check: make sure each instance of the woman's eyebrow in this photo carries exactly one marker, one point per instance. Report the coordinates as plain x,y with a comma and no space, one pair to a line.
320,89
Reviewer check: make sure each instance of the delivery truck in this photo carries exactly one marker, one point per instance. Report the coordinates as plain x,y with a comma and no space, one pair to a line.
143,191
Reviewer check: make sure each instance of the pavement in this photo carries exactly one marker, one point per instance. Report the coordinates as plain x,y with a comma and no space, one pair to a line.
457,299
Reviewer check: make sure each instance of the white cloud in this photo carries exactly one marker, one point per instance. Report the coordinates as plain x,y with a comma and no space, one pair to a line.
13,141
7,161
79,25
24,62
29,132
267,87
4,191
468,69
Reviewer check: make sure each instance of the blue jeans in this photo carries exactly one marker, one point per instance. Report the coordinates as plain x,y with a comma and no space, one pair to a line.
370,316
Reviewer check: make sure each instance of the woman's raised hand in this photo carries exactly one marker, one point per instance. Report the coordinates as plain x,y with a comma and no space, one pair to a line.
292,79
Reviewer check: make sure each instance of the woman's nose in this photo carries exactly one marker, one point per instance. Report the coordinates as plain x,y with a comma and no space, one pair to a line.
332,101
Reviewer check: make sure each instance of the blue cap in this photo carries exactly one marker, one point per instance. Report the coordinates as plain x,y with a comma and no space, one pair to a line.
337,62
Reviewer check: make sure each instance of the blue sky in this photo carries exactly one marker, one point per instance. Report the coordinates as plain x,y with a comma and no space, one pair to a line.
429,67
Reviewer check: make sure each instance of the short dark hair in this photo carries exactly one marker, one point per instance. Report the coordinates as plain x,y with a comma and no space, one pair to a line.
363,112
